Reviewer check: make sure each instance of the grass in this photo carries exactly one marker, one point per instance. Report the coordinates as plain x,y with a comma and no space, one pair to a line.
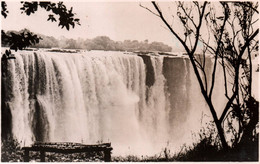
206,149
201,151
11,152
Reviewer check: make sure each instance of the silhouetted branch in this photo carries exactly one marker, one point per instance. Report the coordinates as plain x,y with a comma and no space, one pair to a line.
170,28
149,10
186,14
219,44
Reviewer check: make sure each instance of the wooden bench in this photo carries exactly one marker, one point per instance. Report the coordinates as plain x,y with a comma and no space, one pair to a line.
67,148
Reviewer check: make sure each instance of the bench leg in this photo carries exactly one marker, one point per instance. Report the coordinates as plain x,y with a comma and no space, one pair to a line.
107,155
42,156
26,156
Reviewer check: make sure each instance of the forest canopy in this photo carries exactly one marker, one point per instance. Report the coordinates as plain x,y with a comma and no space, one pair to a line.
97,43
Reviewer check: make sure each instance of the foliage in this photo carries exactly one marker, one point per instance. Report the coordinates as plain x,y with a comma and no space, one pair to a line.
19,40
4,10
26,38
206,148
66,17
235,53
97,43
11,151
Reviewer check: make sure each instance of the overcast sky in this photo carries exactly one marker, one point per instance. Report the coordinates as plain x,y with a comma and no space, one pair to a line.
117,20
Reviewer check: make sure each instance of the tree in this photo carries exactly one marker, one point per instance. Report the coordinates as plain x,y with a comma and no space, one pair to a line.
103,43
26,38
19,40
193,16
235,51
23,39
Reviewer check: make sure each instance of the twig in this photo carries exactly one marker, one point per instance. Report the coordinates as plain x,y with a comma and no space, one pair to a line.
149,10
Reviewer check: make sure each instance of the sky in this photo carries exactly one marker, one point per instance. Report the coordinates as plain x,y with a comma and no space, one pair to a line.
117,20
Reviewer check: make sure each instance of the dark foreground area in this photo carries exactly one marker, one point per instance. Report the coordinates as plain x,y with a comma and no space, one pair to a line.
201,151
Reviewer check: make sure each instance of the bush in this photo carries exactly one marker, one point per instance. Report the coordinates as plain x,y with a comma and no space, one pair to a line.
11,151
208,149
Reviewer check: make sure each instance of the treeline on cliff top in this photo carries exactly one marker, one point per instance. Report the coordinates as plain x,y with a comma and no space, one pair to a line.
97,43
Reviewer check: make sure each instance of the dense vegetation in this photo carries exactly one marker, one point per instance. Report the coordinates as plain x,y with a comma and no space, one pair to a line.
206,148
97,43
24,38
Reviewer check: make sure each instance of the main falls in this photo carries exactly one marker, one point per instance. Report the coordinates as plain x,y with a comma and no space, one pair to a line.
141,104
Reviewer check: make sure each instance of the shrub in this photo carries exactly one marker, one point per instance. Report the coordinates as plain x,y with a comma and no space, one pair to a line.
11,151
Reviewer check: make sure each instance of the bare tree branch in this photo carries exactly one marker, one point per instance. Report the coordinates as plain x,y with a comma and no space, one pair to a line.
199,26
226,16
170,28
149,10
188,15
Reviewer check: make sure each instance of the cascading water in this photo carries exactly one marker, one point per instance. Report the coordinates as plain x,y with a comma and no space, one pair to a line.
139,104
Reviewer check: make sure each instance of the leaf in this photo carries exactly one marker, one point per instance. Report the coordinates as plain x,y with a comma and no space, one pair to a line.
67,27
220,18
51,17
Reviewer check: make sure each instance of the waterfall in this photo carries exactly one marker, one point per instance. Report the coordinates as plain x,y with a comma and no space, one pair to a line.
139,104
